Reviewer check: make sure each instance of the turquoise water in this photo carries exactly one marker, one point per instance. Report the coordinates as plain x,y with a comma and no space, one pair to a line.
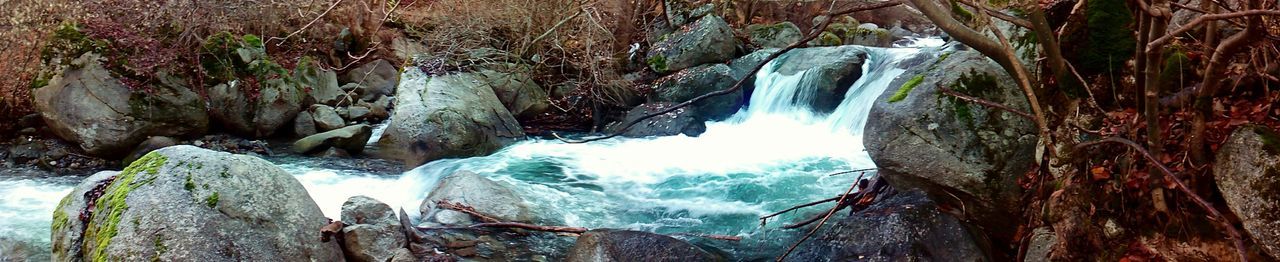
771,156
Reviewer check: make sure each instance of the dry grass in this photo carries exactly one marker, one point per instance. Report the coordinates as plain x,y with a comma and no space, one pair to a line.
165,35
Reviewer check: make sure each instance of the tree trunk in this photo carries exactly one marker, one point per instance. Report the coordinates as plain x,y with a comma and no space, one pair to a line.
1213,76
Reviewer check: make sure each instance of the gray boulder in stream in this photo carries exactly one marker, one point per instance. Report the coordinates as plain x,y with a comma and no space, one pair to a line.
275,105
184,203
950,148
351,139
446,117
373,232
496,199
906,226
680,121
626,245
84,104
1248,174
693,82
709,40
777,35
831,71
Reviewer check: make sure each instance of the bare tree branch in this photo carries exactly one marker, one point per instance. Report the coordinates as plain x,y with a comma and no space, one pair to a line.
1182,187
1156,44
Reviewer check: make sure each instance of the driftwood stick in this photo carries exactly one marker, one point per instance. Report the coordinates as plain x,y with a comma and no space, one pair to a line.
445,204
711,236
1213,212
824,220
559,229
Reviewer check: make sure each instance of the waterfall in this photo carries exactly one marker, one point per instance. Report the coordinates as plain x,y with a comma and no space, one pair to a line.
767,157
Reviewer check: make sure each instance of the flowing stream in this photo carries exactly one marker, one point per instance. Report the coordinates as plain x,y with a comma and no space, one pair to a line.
770,156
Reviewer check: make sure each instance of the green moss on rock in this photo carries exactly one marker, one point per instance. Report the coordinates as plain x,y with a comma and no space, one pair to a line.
212,200
1270,139
658,63
906,89
111,205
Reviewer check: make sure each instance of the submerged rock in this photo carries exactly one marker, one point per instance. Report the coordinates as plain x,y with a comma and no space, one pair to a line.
186,203
1247,170
84,104
373,234
446,116
680,121
709,40
496,199
627,245
904,227
952,149
693,82
351,139
16,251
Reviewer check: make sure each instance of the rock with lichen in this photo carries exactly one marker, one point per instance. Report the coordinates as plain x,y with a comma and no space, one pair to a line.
709,40
959,153
84,103
183,203
1247,170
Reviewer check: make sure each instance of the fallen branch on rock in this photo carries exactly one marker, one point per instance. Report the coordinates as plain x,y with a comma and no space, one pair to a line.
445,204
491,222
737,85
868,193
1182,187
557,229
717,237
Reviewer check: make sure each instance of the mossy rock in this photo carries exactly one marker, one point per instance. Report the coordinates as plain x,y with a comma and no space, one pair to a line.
187,203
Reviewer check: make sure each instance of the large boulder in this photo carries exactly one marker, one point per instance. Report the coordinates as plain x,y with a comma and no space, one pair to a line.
320,85
258,112
446,116
868,34
709,40
741,68
517,91
495,199
903,227
776,35
828,71
1248,173
693,82
373,232
84,104
187,203
954,150
603,245
351,139
680,121
379,77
